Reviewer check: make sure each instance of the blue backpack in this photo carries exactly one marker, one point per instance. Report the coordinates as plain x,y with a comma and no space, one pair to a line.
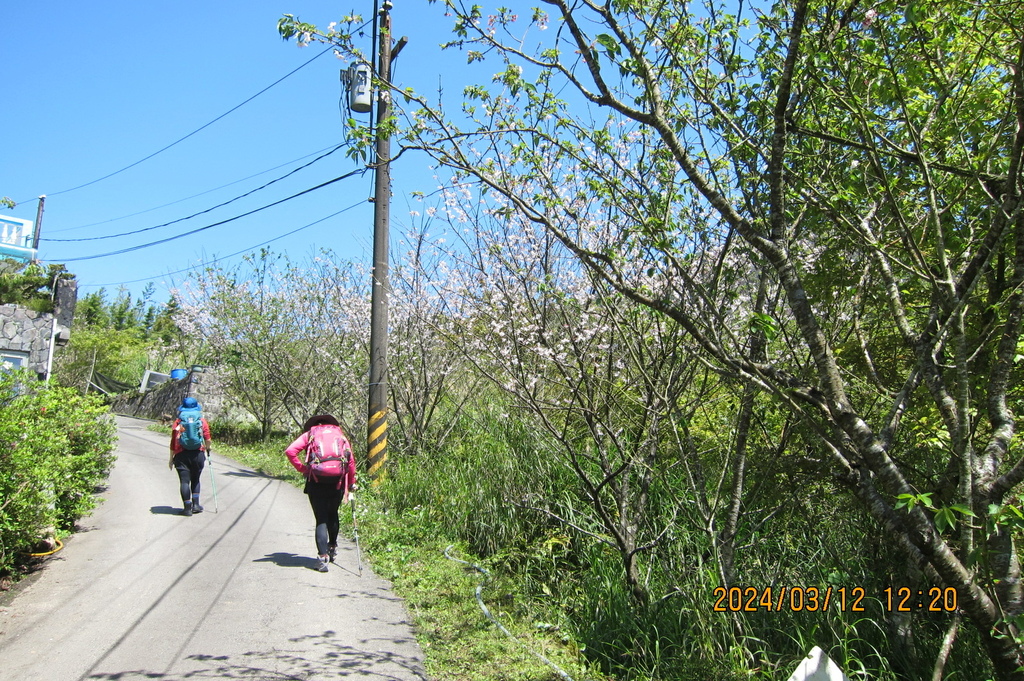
191,436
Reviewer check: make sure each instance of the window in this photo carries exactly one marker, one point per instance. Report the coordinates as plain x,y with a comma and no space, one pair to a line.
11,360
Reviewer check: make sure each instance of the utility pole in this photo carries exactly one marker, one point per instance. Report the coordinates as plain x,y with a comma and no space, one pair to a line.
377,421
39,223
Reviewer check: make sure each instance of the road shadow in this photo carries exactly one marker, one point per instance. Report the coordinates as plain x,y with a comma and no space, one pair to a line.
253,474
165,510
342,568
282,559
322,656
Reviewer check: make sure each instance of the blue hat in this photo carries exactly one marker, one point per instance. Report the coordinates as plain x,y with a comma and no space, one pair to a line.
189,403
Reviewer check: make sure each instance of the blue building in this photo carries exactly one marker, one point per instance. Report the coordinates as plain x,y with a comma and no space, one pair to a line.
17,239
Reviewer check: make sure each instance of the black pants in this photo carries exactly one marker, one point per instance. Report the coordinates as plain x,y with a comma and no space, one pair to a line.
325,499
189,465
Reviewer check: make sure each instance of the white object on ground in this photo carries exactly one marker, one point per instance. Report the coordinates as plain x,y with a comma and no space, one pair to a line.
818,667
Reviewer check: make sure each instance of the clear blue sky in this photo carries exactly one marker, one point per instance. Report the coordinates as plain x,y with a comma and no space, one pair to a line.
91,88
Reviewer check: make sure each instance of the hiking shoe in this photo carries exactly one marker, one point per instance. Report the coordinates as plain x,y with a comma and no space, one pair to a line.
196,508
332,551
188,510
321,564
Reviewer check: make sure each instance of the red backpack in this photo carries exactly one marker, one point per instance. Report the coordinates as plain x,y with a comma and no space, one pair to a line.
328,452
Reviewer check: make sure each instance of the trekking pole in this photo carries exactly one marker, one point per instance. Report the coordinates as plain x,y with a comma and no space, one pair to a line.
213,480
355,533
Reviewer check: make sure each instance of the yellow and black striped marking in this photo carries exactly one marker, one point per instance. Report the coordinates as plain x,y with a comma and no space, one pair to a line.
377,444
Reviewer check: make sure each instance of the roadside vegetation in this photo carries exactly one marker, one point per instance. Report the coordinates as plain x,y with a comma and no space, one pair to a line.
56,442
56,450
56,445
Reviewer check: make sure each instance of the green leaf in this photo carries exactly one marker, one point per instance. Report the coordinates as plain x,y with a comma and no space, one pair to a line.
944,519
915,12
764,324
609,44
960,508
909,501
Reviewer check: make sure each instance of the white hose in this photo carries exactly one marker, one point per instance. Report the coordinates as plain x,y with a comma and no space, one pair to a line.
480,600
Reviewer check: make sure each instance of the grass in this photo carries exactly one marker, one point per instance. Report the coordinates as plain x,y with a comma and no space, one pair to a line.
459,642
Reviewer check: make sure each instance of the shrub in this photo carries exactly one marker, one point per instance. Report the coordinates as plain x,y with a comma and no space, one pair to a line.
56,448
235,433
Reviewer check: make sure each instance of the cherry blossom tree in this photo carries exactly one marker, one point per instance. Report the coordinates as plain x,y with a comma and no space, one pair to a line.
614,387
292,338
430,380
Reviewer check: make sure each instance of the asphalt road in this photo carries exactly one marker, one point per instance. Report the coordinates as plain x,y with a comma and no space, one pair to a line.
144,593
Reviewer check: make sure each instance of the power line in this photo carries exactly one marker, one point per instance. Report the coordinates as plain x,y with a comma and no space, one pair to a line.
215,224
187,198
182,139
231,255
203,212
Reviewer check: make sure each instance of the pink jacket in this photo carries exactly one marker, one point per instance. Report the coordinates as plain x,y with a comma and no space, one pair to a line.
300,444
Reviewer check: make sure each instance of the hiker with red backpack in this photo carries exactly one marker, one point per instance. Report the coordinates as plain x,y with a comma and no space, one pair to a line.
330,471
190,444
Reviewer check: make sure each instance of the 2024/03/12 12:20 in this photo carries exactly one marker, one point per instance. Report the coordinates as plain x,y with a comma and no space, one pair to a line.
815,599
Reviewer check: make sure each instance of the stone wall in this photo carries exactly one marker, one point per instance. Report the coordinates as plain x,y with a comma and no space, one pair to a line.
27,333
161,403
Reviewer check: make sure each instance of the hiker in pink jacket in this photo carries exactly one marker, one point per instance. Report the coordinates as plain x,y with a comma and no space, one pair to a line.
330,471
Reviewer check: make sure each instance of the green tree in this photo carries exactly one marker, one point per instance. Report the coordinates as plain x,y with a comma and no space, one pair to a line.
121,339
91,310
29,284
163,327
